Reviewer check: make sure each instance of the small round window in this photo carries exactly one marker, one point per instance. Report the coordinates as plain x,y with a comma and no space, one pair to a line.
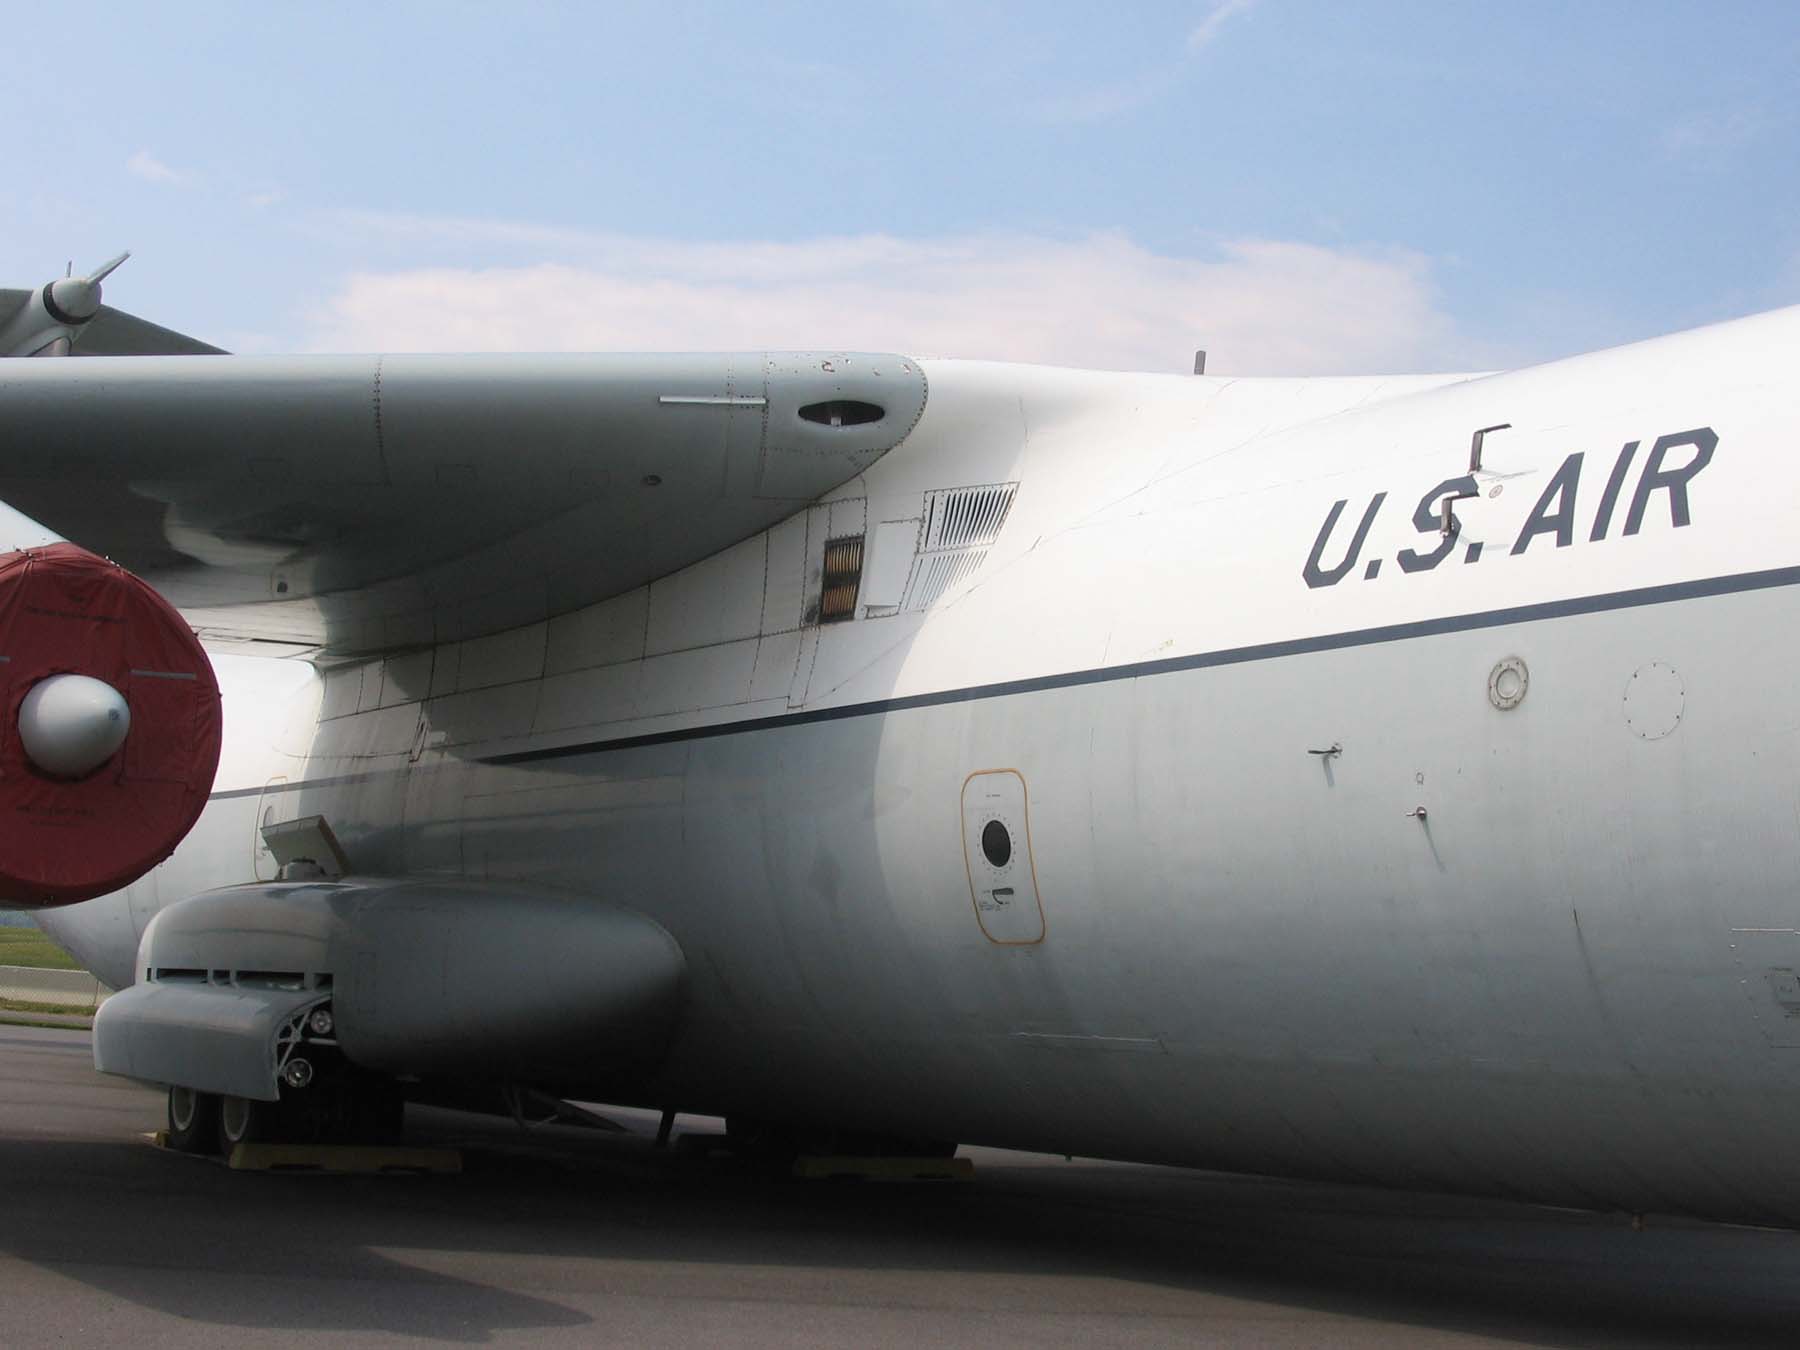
996,843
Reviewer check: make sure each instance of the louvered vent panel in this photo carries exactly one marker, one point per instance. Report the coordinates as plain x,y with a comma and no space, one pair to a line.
967,516
937,573
842,577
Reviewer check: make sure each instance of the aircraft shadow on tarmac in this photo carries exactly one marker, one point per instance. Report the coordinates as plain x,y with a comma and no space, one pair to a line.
446,1257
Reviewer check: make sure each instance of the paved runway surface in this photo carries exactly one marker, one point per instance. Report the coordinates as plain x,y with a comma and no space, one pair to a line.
572,1237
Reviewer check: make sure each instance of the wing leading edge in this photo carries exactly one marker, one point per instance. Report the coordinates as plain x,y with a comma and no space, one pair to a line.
359,504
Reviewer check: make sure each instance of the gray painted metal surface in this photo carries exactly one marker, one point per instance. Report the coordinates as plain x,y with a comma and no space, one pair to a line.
214,1038
505,982
369,503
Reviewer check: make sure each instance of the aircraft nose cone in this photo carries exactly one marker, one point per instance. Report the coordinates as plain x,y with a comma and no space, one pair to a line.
72,724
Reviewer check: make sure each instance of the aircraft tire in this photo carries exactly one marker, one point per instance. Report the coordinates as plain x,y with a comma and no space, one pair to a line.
193,1120
242,1121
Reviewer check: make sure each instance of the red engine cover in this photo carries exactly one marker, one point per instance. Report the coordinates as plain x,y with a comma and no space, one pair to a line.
63,610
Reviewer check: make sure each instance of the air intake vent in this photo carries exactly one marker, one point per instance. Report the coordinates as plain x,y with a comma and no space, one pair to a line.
843,575
938,572
843,412
960,517
270,979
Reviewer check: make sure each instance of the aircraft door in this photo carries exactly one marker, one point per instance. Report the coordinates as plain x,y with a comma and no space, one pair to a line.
996,829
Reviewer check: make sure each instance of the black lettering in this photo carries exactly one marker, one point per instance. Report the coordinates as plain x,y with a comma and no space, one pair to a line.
1655,476
1560,522
1610,498
1426,520
1316,576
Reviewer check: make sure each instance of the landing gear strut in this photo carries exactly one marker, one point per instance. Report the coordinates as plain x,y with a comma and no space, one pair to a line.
781,1143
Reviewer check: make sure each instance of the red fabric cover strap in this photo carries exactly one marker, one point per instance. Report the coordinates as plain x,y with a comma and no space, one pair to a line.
63,610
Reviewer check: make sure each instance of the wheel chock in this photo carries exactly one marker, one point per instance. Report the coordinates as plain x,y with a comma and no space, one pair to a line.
343,1158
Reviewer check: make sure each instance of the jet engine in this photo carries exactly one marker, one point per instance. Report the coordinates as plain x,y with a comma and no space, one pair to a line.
110,727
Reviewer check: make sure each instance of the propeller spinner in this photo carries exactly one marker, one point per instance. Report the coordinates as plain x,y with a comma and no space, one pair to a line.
48,323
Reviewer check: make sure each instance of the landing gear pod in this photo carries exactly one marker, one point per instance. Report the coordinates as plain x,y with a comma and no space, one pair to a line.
109,727
267,992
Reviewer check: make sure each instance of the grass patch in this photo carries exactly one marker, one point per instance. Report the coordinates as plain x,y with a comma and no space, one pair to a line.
19,1005
30,947
26,1020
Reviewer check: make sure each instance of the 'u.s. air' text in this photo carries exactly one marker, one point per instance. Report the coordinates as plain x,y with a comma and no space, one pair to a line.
1665,473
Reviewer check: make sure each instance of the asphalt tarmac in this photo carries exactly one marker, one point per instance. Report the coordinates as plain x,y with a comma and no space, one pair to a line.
578,1237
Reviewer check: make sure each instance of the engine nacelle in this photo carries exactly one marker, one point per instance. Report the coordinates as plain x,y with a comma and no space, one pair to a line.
110,727
52,318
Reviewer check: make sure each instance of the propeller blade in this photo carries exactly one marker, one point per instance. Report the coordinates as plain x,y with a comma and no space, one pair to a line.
105,269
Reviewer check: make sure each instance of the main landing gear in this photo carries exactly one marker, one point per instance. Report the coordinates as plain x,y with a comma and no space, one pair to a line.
349,1108
323,1099
193,1120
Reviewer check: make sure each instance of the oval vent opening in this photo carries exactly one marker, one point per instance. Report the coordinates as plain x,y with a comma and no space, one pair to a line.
843,412
996,843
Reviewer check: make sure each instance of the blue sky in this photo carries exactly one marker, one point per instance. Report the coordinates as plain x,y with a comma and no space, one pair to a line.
1296,185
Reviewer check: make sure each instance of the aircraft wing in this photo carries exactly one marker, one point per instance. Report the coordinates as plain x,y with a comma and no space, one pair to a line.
351,505
113,332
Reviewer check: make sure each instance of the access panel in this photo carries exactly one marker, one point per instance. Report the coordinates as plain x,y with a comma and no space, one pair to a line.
996,826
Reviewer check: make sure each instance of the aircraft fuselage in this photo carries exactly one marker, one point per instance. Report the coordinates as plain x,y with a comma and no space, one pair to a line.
1338,836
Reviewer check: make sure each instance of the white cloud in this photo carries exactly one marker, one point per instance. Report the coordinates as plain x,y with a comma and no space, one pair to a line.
1102,301
1103,103
151,169
1222,13
1710,132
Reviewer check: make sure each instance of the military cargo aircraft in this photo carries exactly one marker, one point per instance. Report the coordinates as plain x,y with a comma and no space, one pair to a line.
1381,779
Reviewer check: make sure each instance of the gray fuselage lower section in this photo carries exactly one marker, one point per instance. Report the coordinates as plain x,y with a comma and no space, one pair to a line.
1562,981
